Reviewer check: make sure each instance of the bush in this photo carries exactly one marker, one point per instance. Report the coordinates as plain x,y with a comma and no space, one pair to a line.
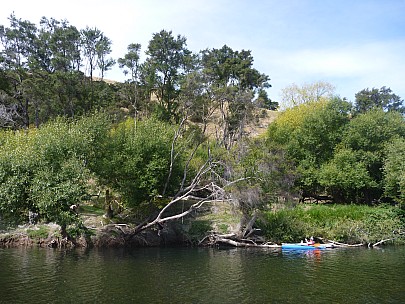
135,161
342,223
46,170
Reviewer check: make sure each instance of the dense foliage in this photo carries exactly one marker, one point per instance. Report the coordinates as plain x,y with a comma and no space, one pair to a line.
135,161
351,224
50,70
178,113
46,170
341,156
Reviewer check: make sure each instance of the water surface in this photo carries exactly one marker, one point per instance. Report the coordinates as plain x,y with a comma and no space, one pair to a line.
185,275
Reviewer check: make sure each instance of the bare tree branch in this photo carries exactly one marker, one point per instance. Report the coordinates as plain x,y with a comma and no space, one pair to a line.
172,156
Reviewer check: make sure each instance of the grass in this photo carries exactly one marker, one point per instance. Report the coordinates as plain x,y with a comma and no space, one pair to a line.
344,223
92,209
41,233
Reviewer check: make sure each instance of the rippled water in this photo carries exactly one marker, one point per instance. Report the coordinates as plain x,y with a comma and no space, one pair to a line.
182,275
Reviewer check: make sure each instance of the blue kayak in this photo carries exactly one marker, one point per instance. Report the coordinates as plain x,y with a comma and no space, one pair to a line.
302,246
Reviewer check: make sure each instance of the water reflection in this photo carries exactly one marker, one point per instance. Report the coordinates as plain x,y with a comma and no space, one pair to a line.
181,275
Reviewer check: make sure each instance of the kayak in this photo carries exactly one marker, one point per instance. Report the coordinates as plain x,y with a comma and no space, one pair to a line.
303,246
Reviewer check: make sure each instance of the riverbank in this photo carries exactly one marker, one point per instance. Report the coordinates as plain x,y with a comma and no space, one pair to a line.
99,231
349,224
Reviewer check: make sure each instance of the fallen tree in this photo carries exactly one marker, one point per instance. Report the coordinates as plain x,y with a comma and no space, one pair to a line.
339,244
233,239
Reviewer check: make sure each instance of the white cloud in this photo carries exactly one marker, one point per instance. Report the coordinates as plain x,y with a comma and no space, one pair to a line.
349,68
291,42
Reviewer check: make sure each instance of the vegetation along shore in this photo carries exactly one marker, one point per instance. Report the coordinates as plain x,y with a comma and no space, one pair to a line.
189,150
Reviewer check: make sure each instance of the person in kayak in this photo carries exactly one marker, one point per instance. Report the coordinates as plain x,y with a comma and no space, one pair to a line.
311,241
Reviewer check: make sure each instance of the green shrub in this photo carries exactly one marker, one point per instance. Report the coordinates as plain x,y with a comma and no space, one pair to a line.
342,223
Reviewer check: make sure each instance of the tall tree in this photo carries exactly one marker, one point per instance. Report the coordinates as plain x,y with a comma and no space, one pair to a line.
234,82
168,61
90,40
58,46
131,64
18,46
59,54
103,48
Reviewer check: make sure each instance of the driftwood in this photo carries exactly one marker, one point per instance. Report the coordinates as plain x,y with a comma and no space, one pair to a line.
370,245
387,240
381,242
233,240
338,244
248,231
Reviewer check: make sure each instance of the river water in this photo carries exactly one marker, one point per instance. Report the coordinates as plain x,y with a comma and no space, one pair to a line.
201,275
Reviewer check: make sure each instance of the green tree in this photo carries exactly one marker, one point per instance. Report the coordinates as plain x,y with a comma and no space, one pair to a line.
167,63
378,98
136,162
60,90
18,46
394,170
58,46
131,64
47,170
91,38
103,48
368,135
309,133
16,166
233,84
344,177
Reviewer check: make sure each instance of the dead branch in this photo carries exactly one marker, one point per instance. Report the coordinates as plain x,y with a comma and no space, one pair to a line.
338,244
230,239
382,242
172,156
249,227
387,240
193,191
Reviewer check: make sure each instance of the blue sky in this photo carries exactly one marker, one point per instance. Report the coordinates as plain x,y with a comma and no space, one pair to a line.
353,44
